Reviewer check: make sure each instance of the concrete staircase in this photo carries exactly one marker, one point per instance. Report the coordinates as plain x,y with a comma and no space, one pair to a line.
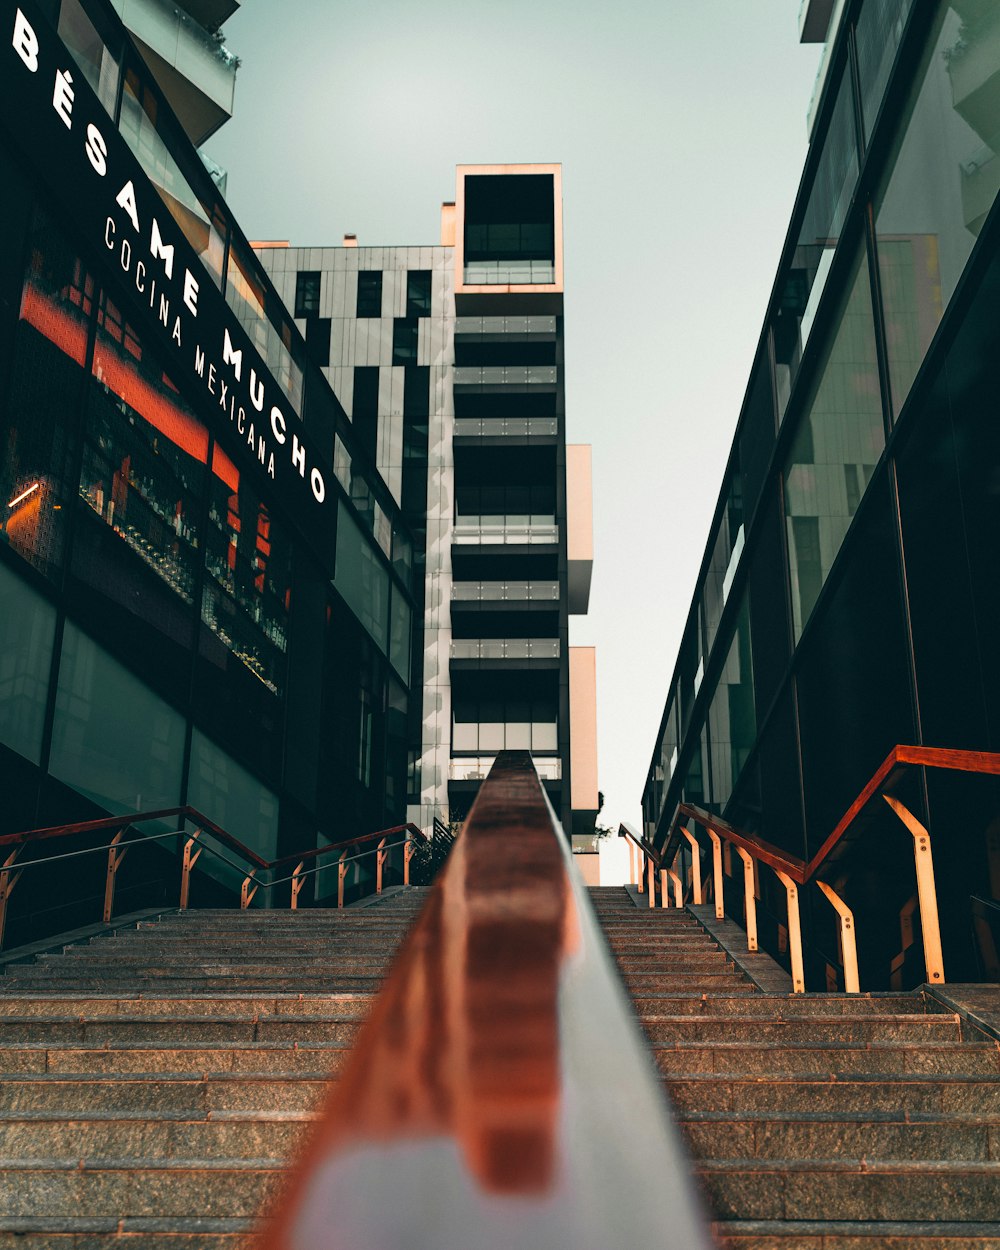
154,1078
818,1121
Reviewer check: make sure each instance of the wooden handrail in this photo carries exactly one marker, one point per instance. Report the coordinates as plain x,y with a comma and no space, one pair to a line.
480,1076
802,871
200,819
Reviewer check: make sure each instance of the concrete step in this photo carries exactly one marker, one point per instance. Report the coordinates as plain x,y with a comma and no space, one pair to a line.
180,1093
74,1233
851,1189
850,1235
137,1187
900,1134
218,964
341,1006
868,1093
773,1030
220,1031
318,1060
791,1059
792,1006
118,1134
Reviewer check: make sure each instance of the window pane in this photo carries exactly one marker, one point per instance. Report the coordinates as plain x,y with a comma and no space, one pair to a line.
361,579
307,294
803,283
113,740
369,293
836,447
418,293
877,34
404,341
943,178
731,716
27,627
233,798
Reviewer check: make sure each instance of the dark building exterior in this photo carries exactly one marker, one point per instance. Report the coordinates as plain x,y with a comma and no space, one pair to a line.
850,590
449,360
196,605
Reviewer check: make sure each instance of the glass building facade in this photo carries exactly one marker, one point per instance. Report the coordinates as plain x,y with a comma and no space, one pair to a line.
205,583
847,600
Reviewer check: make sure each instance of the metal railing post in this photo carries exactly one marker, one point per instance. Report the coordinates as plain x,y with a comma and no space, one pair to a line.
848,938
678,889
749,898
794,933
298,881
930,926
7,884
664,888
190,859
651,880
380,859
409,850
115,858
720,909
341,878
246,894
695,866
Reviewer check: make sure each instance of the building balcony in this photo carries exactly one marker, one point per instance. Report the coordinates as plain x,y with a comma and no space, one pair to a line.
505,327
505,649
477,769
505,533
509,273
506,375
505,592
194,69
506,427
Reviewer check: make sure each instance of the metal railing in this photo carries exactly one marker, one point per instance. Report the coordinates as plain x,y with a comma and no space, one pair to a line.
795,873
501,533
475,326
480,1082
506,375
193,825
502,592
506,427
477,768
505,649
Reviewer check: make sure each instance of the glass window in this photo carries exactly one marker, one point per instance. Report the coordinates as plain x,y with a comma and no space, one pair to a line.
364,410
234,799
731,719
269,330
835,449
247,595
877,36
369,293
307,294
853,672
725,555
399,640
768,602
90,52
404,341
361,579
756,439
45,387
418,293
826,209
203,227
943,178
318,331
27,628
113,740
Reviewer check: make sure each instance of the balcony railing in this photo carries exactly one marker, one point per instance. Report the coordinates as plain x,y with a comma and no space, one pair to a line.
469,532
506,427
505,375
503,592
504,325
505,649
478,768
509,272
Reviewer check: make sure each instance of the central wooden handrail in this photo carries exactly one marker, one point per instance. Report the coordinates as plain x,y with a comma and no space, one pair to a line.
477,1106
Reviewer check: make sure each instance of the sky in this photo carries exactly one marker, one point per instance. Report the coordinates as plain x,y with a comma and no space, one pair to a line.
681,129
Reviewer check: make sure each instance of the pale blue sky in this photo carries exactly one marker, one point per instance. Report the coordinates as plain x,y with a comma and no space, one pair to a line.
681,128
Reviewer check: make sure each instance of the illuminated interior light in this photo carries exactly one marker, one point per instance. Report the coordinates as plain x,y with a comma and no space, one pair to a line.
24,495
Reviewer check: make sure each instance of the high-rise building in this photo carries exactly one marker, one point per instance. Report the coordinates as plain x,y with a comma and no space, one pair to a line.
205,583
449,361
850,588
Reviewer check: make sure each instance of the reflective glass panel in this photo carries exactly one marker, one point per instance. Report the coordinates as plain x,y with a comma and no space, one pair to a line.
27,627
836,447
731,719
877,34
943,178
